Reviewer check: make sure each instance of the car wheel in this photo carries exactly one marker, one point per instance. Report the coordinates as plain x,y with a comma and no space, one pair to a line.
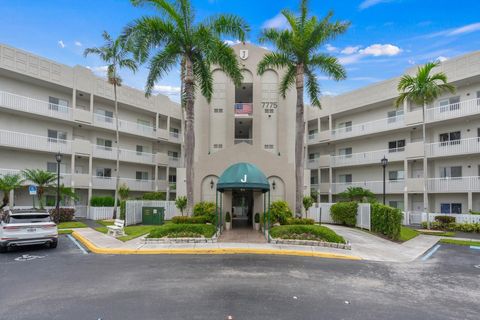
3,249
53,245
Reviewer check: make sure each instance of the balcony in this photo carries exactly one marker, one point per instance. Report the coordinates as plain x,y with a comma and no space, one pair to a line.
133,184
415,185
369,127
454,110
25,104
392,186
125,155
175,137
174,162
453,184
397,154
33,142
124,126
454,147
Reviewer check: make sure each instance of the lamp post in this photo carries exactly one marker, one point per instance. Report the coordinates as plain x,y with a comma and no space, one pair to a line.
58,157
384,162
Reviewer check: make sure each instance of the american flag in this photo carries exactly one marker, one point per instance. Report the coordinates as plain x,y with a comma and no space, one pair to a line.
243,108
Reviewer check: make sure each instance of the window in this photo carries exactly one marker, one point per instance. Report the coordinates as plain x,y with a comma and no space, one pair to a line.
346,152
139,149
174,132
396,175
451,172
313,156
451,208
57,136
52,167
104,144
218,146
392,115
478,98
396,204
141,175
345,126
104,115
217,110
57,104
450,138
173,154
345,178
268,147
396,146
172,178
449,104
104,172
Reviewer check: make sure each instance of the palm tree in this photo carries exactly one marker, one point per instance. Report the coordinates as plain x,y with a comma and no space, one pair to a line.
116,54
297,52
8,183
422,89
43,179
67,193
174,37
357,194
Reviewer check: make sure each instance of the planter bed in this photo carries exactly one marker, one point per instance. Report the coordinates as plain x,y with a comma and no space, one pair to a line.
182,233
313,243
307,235
179,240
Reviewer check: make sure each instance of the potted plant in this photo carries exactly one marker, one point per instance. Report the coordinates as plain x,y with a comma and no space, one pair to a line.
257,221
228,221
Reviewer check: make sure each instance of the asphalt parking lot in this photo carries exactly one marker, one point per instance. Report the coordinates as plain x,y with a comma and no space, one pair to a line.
65,283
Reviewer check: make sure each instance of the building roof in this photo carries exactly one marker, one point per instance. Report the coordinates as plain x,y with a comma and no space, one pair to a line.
243,176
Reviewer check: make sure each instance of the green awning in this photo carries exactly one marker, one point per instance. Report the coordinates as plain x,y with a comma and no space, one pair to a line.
243,176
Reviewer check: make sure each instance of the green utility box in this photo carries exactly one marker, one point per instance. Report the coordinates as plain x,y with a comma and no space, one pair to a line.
153,215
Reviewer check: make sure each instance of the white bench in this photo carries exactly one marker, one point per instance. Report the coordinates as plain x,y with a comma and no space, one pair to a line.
117,228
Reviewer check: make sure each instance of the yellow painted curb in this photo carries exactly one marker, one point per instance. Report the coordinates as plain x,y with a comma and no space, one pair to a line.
90,246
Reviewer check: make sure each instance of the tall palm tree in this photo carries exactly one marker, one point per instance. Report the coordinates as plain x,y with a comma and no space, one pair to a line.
297,52
42,179
423,89
116,54
8,183
174,37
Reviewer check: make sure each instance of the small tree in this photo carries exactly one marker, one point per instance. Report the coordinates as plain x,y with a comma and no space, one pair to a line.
42,179
8,183
357,194
123,192
181,203
308,202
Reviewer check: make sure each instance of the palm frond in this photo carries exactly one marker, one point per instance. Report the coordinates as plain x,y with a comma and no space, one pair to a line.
287,81
313,88
273,60
229,25
328,65
160,65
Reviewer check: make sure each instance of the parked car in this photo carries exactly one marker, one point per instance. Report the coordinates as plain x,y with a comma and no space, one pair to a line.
27,227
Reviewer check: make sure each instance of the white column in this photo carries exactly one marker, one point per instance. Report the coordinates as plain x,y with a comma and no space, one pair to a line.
330,182
470,201
156,177
72,169
74,98
167,173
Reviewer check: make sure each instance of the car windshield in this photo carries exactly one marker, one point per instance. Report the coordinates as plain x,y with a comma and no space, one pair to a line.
29,218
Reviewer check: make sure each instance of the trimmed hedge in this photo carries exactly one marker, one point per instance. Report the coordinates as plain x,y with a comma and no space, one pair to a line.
462,227
280,212
386,220
299,221
205,208
66,214
172,230
344,213
102,201
154,196
189,220
306,232
445,219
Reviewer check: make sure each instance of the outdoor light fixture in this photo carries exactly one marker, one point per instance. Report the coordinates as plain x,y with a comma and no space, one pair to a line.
274,185
384,162
58,158
211,184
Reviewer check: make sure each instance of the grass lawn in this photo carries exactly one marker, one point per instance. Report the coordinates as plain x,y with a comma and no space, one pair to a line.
184,230
71,225
441,234
65,231
131,232
306,232
407,234
460,242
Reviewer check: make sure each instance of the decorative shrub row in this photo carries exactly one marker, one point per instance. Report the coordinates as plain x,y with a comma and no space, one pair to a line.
192,220
445,219
306,232
154,196
386,220
102,201
280,212
172,230
206,209
344,213
462,227
301,221
66,214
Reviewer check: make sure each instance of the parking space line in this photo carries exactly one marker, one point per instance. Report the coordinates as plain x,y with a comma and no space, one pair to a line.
431,252
77,244
475,247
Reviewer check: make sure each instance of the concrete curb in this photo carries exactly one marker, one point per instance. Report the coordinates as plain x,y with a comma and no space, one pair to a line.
90,246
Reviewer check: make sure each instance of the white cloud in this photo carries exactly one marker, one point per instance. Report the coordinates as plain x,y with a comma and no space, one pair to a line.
166,90
411,61
329,93
377,50
99,71
370,3
350,59
442,58
61,44
350,49
465,29
78,43
232,42
277,22
331,48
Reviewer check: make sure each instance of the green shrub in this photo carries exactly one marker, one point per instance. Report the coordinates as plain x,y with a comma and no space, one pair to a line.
306,232
462,227
257,217
475,212
445,219
228,218
386,220
205,208
123,209
66,214
172,230
159,196
190,220
106,201
344,213
300,221
280,212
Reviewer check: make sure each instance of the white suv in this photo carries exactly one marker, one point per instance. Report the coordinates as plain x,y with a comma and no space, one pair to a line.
27,227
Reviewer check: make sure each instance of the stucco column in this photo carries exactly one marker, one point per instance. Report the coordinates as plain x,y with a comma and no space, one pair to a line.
330,186
156,178
168,126
74,98
167,173
405,190
91,106
470,201
90,184
72,169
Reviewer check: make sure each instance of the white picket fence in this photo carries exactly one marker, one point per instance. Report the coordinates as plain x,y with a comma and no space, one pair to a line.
101,213
321,213
133,210
416,218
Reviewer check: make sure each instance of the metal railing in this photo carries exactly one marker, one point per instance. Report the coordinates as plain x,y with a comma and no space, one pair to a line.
391,186
22,103
126,155
394,154
34,142
453,110
369,127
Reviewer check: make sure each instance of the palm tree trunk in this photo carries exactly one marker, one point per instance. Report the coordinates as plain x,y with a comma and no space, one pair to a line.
299,142
425,173
189,130
117,137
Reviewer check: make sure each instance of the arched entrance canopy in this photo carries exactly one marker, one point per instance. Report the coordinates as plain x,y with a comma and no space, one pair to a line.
243,176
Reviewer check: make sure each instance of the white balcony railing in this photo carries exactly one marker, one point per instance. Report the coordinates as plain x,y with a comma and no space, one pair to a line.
33,142
396,154
124,125
174,162
248,141
313,163
175,136
391,186
455,184
21,103
369,127
133,184
453,147
104,152
454,110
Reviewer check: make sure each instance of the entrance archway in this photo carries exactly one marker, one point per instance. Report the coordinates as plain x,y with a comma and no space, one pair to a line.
243,179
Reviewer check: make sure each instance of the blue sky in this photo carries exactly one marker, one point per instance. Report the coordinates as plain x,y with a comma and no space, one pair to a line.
385,38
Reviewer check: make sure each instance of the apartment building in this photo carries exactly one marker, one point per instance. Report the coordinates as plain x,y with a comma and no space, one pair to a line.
47,107
350,135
